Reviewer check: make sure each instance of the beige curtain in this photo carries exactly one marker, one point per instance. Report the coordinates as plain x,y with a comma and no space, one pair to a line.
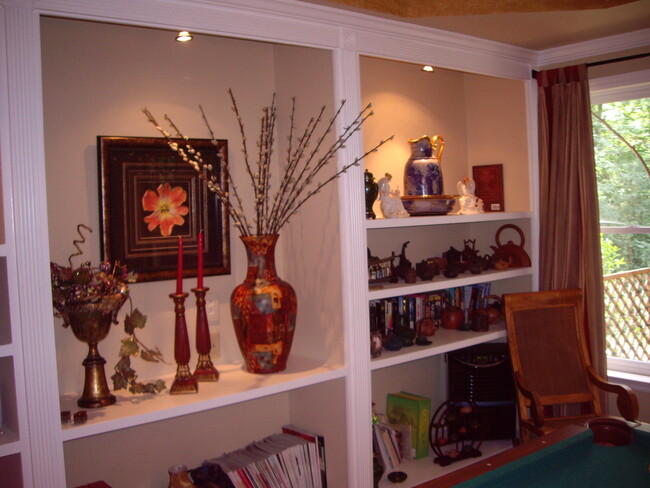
569,220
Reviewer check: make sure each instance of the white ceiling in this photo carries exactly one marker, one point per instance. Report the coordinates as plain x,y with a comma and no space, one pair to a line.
537,30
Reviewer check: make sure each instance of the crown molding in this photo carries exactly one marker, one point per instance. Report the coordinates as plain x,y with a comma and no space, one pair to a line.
597,47
295,22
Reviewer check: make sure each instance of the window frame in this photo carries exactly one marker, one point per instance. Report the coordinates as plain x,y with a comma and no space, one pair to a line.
608,89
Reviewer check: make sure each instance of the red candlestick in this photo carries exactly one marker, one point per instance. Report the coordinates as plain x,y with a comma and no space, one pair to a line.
179,267
199,277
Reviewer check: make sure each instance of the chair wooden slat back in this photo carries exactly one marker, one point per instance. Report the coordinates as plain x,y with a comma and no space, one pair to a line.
550,361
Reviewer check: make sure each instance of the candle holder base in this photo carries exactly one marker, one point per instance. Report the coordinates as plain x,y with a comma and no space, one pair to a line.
205,370
184,382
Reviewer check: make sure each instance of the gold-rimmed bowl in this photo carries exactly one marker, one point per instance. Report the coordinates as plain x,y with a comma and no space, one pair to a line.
430,204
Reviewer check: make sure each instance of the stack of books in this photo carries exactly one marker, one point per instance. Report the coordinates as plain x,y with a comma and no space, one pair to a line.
293,459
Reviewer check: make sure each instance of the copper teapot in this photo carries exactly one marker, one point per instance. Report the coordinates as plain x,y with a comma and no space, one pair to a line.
513,254
493,311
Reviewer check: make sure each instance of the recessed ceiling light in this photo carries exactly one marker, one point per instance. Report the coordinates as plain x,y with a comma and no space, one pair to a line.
184,36
427,68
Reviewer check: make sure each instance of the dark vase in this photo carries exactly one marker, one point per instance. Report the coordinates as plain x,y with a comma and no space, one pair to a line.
372,190
263,309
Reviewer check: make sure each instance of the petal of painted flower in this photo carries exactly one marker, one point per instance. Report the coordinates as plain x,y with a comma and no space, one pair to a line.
166,226
177,196
150,201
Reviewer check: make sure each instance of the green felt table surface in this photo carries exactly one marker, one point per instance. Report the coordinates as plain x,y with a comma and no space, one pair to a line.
575,462
572,462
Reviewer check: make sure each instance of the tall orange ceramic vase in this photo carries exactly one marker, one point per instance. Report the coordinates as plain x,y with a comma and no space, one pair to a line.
263,309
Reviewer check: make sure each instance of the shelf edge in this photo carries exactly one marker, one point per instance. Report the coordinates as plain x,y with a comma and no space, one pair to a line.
445,219
472,339
102,427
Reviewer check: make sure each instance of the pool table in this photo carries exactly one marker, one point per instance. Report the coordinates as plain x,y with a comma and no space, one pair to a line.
564,458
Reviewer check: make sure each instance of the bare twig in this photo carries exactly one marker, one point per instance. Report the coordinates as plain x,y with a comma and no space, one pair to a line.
619,136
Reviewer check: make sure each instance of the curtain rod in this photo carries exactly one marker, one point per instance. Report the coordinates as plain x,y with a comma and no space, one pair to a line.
608,61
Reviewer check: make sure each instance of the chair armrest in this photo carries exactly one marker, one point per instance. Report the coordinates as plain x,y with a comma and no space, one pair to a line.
626,400
536,410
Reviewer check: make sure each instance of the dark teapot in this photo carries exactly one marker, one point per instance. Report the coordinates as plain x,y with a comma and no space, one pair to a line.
493,311
426,269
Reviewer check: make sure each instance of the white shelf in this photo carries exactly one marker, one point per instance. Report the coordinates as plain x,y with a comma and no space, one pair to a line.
444,340
235,385
9,443
7,350
423,470
445,219
387,290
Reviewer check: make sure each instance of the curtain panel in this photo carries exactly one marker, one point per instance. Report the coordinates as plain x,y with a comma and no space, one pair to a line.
569,218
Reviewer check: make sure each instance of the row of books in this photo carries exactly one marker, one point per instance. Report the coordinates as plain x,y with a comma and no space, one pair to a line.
407,311
392,443
294,458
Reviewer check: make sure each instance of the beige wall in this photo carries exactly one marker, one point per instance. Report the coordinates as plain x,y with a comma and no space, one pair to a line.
471,112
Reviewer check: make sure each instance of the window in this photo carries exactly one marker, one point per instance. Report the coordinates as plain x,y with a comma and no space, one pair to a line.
621,105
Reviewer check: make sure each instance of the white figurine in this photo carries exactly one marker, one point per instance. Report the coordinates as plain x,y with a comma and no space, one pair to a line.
390,201
469,204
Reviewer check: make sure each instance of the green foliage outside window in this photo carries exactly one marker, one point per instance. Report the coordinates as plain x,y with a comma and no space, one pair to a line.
622,153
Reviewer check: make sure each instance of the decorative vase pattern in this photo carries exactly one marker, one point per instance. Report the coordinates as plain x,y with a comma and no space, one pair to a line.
179,477
422,172
263,309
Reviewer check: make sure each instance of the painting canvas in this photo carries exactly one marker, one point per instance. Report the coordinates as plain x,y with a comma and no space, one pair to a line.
150,197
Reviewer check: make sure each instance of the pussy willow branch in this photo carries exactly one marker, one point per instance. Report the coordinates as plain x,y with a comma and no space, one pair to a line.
204,171
310,171
243,136
328,180
205,174
289,180
302,166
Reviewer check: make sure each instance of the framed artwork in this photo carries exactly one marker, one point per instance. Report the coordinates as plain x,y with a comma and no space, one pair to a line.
149,197
489,186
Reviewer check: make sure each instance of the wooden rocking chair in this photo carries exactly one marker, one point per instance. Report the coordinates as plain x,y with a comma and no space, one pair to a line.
556,383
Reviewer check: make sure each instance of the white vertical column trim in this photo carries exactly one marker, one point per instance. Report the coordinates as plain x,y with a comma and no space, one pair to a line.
354,272
533,168
25,122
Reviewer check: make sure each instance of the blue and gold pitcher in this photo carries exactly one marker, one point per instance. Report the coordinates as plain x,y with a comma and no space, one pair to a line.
422,172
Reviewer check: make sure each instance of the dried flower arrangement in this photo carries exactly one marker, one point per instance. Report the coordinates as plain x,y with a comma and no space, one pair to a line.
307,155
106,286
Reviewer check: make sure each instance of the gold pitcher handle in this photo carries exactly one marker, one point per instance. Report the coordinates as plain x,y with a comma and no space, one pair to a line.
437,144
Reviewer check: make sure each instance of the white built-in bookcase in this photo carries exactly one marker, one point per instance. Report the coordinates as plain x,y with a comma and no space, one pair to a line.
65,80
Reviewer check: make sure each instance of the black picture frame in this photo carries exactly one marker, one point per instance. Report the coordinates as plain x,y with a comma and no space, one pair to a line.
132,168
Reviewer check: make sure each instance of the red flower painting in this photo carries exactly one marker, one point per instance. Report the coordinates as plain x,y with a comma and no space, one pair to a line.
166,207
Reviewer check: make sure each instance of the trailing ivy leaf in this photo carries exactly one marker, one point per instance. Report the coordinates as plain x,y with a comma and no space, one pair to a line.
151,355
136,388
160,386
129,347
123,367
134,320
119,382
